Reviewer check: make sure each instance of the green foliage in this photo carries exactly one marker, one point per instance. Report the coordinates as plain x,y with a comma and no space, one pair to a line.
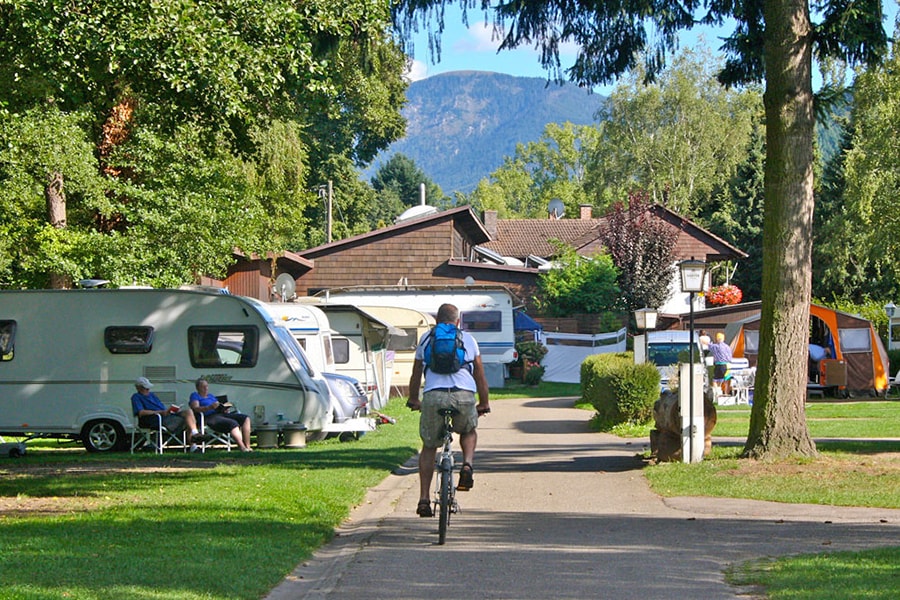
181,130
680,138
397,185
530,351
33,145
554,167
618,389
870,253
533,373
736,214
577,284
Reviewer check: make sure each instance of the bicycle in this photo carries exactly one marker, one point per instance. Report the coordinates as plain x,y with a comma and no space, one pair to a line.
444,491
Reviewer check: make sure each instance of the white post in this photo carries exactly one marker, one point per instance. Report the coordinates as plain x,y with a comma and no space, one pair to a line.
692,431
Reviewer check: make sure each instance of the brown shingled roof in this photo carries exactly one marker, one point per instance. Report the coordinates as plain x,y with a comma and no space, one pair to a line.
521,237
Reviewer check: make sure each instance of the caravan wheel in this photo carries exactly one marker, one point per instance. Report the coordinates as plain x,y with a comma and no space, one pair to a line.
103,435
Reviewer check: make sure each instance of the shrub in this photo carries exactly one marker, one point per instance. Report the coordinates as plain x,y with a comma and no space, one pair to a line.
530,351
620,391
533,373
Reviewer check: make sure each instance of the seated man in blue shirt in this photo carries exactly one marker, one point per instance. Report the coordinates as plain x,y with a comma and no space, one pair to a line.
146,405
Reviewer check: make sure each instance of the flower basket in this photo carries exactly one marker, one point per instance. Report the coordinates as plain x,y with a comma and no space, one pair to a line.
724,295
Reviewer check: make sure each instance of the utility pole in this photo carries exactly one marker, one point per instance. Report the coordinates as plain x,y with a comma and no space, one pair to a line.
328,225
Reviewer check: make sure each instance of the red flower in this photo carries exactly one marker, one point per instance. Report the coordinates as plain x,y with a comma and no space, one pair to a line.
724,295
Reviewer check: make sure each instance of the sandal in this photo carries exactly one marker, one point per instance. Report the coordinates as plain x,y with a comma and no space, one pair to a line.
424,509
466,481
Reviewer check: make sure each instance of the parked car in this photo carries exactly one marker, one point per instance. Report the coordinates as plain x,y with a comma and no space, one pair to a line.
348,400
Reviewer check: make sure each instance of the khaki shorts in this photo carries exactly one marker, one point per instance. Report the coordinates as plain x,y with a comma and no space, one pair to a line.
431,424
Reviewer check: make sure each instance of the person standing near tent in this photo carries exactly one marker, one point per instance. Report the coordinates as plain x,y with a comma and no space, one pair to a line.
721,353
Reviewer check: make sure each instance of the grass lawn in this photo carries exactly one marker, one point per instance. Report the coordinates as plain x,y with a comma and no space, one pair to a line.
875,419
74,525
838,576
851,470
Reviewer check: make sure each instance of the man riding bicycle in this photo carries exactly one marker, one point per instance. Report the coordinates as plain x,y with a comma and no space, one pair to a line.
445,389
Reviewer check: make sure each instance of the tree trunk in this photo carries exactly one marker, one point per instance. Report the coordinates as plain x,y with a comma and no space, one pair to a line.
56,216
778,421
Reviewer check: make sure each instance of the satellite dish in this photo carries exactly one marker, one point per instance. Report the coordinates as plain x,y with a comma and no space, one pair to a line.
556,209
285,286
415,212
92,283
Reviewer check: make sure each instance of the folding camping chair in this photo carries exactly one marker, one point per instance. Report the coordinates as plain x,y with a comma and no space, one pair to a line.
157,437
224,439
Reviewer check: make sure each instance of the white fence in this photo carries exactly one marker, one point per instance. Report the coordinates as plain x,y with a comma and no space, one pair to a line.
566,352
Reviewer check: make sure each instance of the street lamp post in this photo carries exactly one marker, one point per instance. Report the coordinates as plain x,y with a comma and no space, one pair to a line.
693,274
645,319
890,308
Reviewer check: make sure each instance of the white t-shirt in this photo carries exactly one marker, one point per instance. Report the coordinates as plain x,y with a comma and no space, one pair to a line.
463,378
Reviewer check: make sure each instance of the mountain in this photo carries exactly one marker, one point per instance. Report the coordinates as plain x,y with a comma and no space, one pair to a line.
460,125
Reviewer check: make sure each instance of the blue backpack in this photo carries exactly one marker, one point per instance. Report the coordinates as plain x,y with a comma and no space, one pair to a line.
444,351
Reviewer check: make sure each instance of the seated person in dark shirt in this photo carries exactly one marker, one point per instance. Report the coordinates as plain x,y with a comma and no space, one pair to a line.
235,423
146,405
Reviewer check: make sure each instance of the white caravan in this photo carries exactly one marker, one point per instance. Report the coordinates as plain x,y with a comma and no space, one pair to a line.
414,323
359,342
485,311
309,325
69,359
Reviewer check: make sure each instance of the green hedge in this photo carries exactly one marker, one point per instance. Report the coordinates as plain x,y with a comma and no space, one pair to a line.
620,391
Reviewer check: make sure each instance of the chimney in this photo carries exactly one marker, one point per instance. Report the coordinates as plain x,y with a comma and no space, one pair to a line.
586,211
490,222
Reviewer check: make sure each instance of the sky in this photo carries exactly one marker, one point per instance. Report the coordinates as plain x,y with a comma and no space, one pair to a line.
473,48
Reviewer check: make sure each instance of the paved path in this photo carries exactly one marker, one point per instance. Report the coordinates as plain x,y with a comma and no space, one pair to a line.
560,512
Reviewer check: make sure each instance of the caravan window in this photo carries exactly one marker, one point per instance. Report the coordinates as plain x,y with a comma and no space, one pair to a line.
751,341
404,343
482,320
128,340
341,349
7,340
212,346
855,340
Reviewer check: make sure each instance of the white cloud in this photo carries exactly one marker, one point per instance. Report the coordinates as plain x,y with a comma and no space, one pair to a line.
478,39
416,70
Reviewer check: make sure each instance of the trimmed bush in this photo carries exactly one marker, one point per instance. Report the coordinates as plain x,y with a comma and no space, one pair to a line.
620,391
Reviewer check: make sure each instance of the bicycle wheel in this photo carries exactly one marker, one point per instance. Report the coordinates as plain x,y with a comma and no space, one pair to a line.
446,500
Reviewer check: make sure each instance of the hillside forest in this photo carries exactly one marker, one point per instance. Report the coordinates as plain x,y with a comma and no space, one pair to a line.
143,143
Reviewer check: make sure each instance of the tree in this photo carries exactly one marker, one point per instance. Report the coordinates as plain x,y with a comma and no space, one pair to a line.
736,214
679,138
263,93
401,175
871,181
552,167
578,284
640,246
773,40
